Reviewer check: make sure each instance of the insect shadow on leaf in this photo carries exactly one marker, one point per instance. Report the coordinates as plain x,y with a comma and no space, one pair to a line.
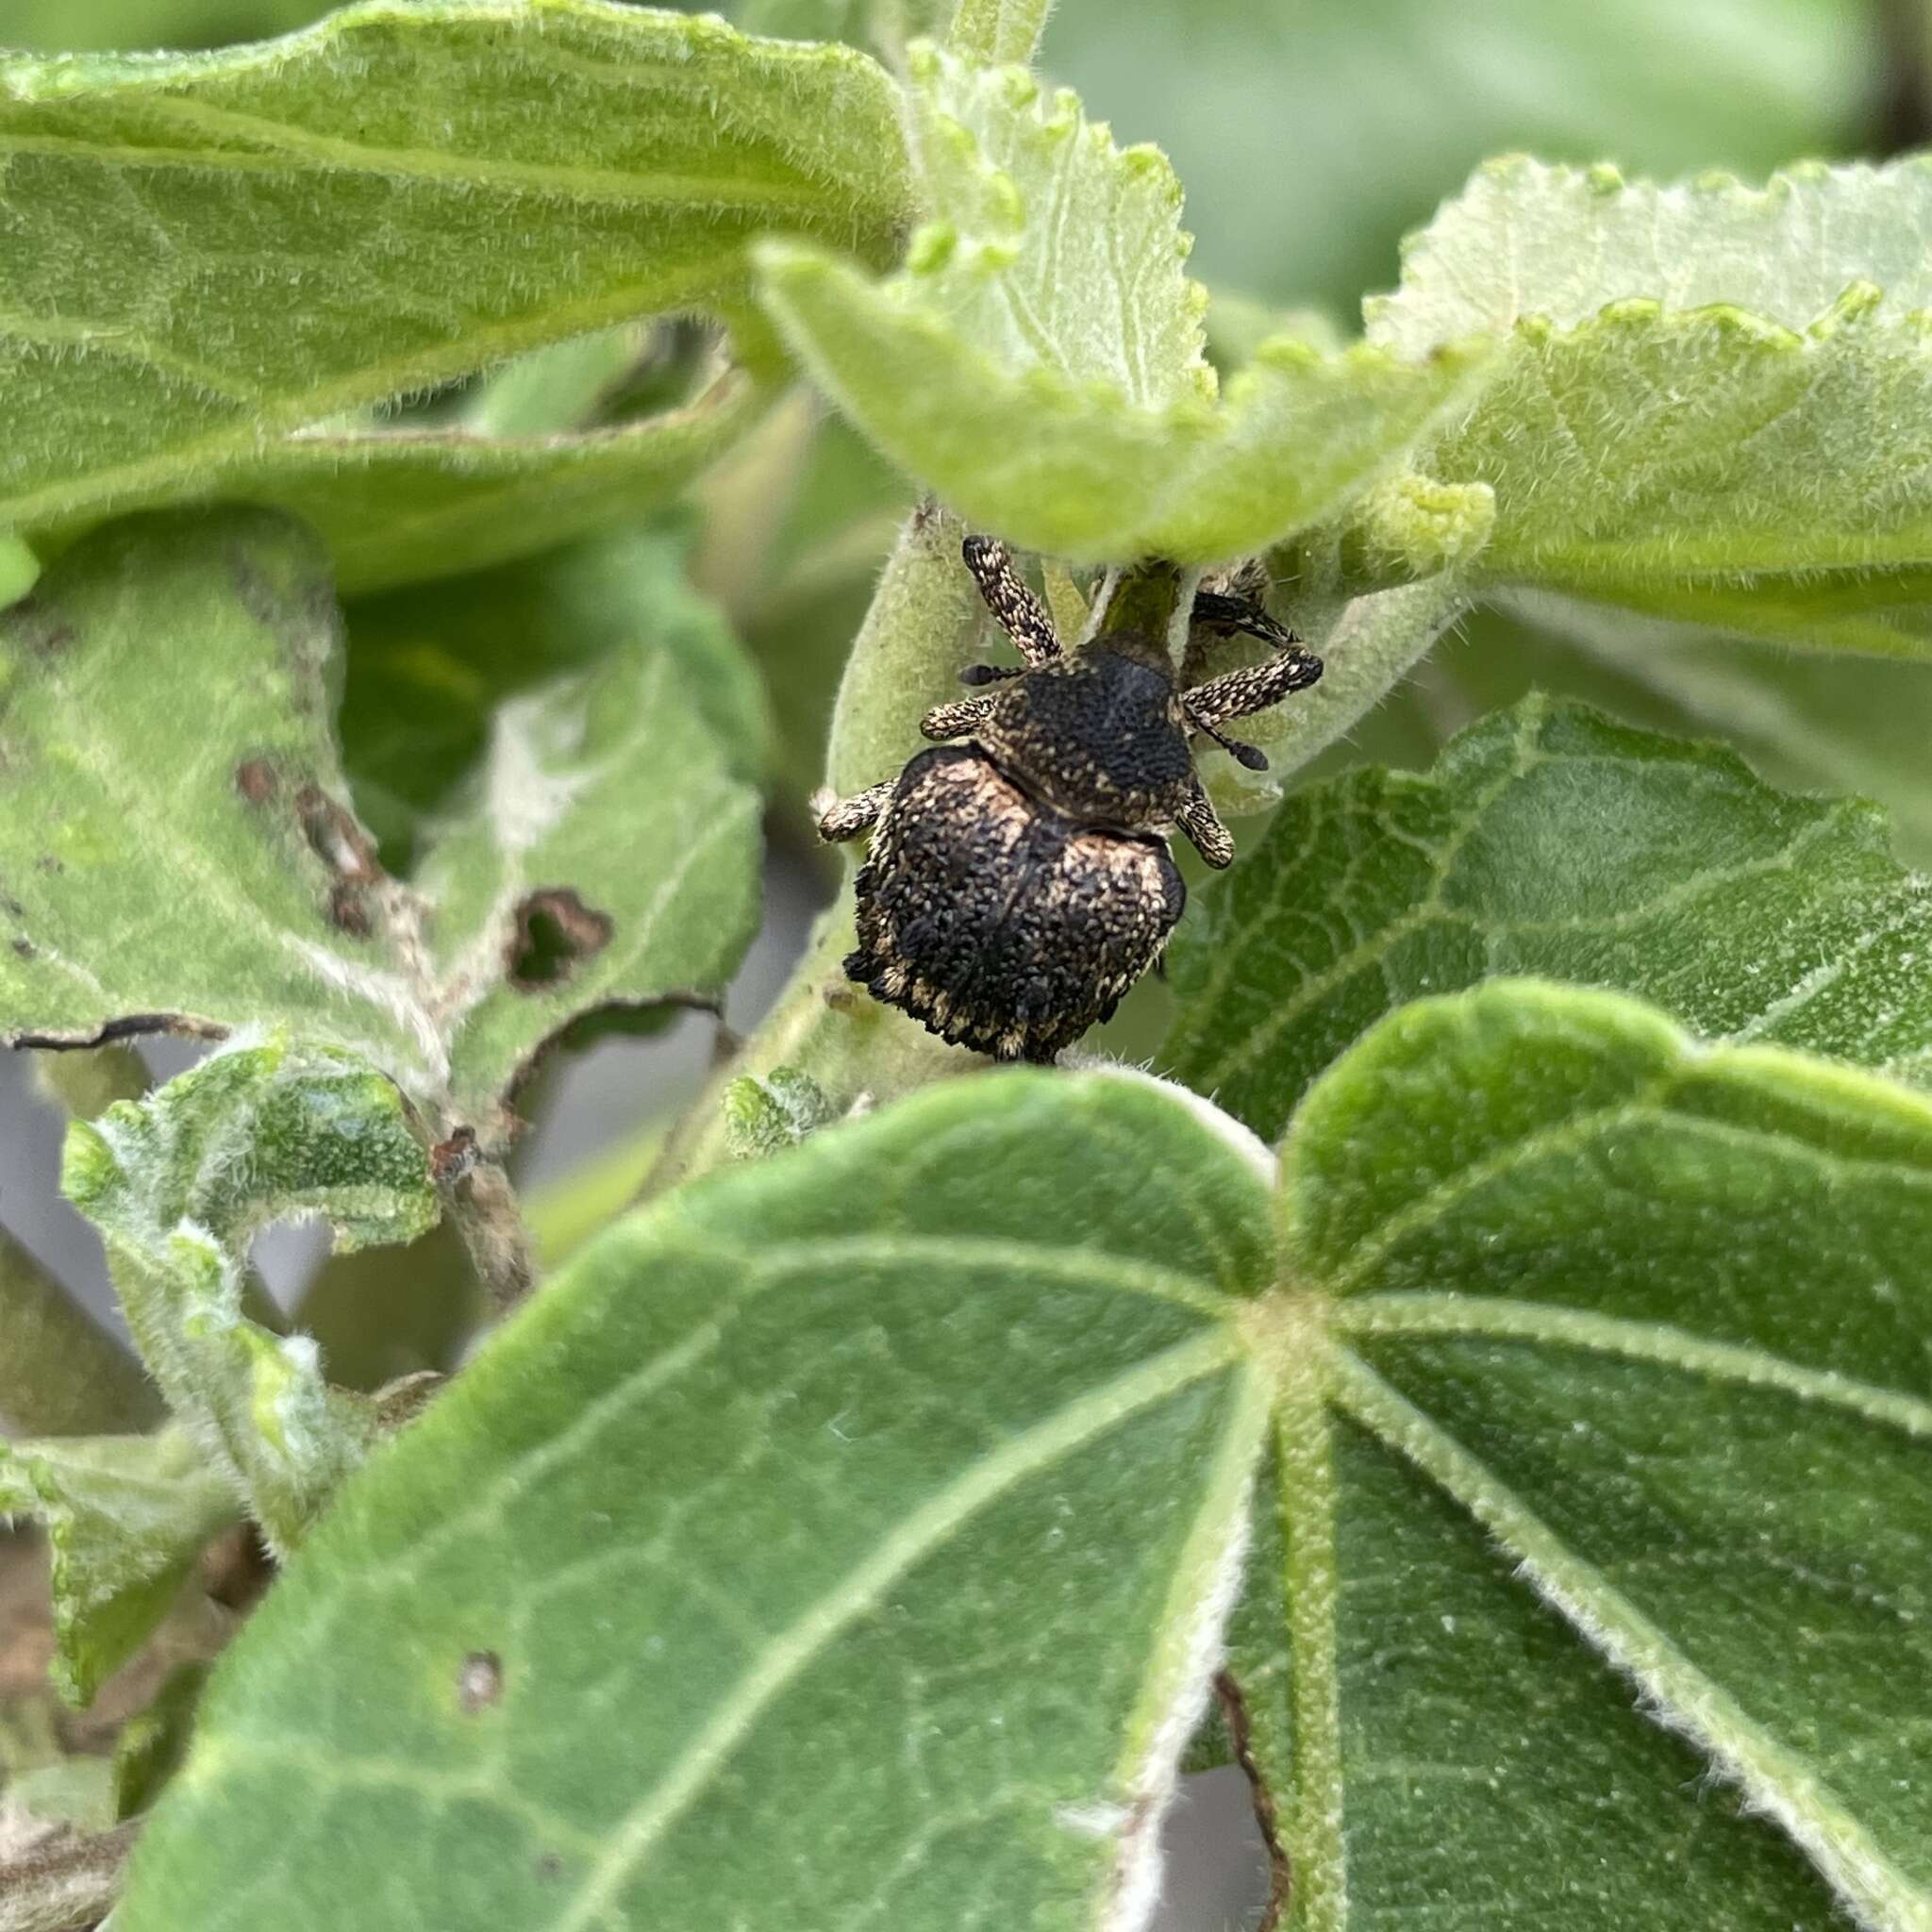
1020,882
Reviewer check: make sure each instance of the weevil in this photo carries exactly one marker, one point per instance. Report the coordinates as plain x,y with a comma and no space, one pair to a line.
1019,880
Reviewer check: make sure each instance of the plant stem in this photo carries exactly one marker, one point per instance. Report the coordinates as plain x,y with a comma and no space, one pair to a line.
483,1204
70,1883
861,1054
62,1374
1378,641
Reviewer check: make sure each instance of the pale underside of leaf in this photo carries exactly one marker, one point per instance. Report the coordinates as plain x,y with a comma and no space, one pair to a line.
374,165
1038,362
1708,401
403,506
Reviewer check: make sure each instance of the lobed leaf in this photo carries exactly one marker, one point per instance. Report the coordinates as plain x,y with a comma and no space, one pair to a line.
852,1530
1711,408
427,188
712,1588
180,1183
126,1518
239,887
1622,1400
1038,360
1549,840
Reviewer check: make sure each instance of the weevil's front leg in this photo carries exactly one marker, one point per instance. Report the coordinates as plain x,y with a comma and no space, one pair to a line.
1227,612
1021,614
846,818
1235,693
958,720
1202,823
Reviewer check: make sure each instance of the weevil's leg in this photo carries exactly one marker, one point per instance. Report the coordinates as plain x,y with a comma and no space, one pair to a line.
1202,823
846,818
960,720
1228,612
1254,687
1021,614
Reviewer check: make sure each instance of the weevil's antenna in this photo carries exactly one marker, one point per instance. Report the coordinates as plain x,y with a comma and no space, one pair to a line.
1251,755
993,673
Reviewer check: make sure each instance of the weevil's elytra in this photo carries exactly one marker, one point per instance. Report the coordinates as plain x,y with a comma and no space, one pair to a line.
1020,883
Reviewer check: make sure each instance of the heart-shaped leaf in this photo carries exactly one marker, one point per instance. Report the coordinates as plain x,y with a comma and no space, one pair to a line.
1039,359
852,1532
238,887
1549,840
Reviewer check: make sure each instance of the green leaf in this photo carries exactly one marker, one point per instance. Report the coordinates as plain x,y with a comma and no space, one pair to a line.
1817,722
238,888
1586,1383
1549,840
180,1183
152,1745
712,1590
1615,1397
763,1116
62,1374
402,505
126,1517
1712,404
1039,359
369,170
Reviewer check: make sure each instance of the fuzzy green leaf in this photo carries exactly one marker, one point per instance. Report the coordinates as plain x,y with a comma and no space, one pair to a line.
1606,1471
1548,840
401,505
1713,402
847,1533
1039,359
236,887
1583,1354
427,189
180,1183
126,1518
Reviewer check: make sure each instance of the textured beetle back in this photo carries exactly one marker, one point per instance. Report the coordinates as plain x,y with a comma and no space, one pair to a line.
1000,923
1099,734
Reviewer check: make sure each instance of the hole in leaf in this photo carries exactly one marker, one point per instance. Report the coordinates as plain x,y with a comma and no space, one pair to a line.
554,929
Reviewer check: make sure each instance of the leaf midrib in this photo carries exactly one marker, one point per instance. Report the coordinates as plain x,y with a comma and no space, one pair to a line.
1776,1779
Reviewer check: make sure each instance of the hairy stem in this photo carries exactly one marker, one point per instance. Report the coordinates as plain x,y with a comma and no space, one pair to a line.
70,1883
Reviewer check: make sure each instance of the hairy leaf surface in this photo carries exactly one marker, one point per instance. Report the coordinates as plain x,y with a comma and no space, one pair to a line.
846,1535
852,1531
180,849
424,188
1039,359
1714,399
126,1517
1549,840
180,1183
